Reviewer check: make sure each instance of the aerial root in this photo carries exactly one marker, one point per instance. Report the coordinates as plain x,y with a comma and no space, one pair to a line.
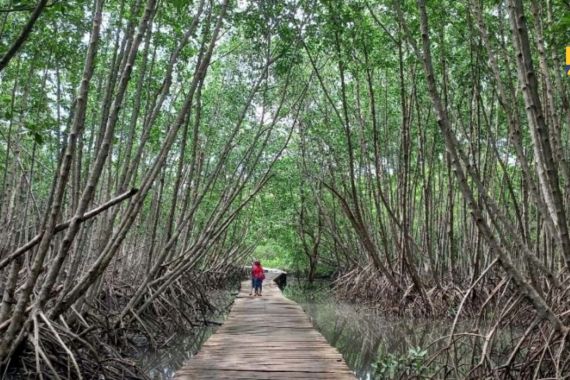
88,343
495,331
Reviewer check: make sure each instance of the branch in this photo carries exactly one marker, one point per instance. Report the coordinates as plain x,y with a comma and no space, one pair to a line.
60,227
23,8
7,57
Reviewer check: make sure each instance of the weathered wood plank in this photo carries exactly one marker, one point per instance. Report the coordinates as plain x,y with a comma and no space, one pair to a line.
268,337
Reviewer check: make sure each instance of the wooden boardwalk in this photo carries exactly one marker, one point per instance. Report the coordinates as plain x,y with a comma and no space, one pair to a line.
268,337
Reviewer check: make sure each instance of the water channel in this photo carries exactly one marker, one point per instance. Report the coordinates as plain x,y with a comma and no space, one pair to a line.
373,346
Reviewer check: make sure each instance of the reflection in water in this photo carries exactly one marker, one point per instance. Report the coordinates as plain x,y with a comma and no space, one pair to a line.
162,363
363,336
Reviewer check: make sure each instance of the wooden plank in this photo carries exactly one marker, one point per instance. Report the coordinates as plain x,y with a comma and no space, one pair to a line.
268,337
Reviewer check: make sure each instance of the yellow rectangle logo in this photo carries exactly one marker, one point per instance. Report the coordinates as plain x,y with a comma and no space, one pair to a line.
567,67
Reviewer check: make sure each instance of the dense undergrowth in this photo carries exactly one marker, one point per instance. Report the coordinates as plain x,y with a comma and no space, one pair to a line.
97,344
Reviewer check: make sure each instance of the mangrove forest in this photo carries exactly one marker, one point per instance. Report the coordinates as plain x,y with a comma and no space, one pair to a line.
406,162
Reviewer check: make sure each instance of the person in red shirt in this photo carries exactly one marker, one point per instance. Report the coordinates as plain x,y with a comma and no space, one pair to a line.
257,277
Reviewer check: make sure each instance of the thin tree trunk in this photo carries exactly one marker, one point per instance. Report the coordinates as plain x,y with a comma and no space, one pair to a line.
24,34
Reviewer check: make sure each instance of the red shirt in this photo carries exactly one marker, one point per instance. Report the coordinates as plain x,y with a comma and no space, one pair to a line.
257,272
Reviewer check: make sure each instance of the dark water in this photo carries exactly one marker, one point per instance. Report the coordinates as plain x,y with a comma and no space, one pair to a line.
161,364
